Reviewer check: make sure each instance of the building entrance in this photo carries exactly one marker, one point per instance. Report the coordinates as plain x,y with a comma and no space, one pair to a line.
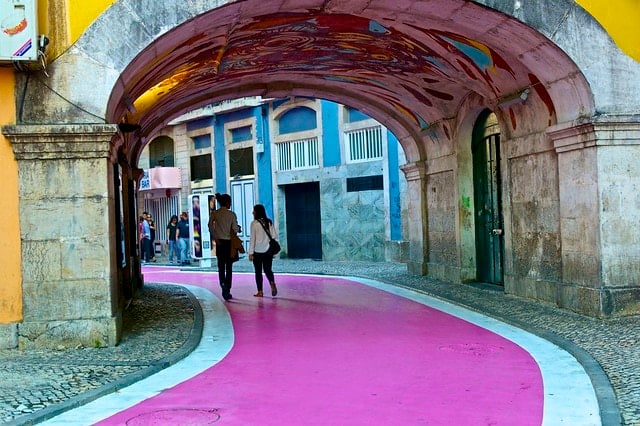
242,202
304,233
488,200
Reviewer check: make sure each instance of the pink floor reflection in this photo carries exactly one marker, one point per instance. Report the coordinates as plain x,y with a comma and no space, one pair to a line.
332,351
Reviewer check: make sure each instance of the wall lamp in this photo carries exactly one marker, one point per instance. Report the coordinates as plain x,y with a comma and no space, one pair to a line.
516,98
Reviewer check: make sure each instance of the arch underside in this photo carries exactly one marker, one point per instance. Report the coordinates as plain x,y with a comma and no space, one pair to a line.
410,65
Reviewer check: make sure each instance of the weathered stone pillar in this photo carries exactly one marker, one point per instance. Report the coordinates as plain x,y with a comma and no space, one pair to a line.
599,178
70,292
417,217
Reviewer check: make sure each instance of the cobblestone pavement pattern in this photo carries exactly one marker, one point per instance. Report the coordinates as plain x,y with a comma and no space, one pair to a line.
38,384
161,327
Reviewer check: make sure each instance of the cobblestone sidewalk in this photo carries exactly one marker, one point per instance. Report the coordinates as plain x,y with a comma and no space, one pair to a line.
159,328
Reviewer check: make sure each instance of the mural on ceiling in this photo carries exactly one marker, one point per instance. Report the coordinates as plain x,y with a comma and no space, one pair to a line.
430,67
353,50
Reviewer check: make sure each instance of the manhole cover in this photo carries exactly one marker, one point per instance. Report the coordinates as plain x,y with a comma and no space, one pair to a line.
475,349
178,416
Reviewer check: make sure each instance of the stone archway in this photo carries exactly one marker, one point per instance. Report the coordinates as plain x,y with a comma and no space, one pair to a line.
411,66
170,46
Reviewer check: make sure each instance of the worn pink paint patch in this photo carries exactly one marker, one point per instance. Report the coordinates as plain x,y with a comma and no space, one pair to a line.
332,351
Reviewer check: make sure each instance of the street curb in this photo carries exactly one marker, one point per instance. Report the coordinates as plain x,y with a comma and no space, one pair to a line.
610,414
607,402
86,397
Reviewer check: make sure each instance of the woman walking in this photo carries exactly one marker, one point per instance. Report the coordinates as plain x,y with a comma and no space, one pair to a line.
262,231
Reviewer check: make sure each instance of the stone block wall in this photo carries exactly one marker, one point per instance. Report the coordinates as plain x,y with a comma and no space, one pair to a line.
441,223
353,223
619,191
70,295
535,266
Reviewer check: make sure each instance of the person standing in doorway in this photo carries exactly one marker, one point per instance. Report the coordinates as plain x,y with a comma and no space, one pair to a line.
172,239
222,223
262,230
183,237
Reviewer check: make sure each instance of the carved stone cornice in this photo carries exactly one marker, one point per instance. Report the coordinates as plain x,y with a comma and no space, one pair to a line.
60,141
414,171
603,131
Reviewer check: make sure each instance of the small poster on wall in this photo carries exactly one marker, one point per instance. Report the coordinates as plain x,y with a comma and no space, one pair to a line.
198,220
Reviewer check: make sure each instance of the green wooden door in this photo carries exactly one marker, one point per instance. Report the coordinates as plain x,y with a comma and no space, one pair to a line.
488,200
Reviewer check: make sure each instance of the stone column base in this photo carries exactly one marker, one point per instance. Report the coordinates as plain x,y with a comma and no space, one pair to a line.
8,336
417,226
396,251
600,302
603,302
89,333
444,272
417,268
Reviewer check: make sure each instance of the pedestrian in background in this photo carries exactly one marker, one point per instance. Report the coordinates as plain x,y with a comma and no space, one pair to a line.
145,238
172,239
183,237
152,238
262,231
222,223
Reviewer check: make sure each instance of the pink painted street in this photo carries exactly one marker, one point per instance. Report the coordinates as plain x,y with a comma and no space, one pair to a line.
346,351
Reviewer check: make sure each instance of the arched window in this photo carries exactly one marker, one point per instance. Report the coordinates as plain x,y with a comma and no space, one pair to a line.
354,115
297,120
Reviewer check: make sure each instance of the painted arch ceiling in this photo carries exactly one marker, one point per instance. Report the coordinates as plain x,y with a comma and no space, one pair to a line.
413,69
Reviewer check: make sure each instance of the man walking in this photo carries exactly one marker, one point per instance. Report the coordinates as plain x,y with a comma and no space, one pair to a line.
183,238
222,223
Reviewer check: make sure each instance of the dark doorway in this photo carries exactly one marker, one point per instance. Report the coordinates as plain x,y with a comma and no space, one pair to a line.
304,233
488,199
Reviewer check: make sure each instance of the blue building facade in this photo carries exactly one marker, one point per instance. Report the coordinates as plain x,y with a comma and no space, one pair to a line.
328,175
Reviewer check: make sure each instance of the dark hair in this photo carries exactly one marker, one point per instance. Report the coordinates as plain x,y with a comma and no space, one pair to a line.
261,213
175,216
224,199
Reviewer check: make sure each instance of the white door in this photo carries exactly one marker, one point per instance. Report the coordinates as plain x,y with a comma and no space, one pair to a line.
242,202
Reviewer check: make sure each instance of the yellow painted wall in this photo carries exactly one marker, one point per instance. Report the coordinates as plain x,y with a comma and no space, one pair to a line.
83,13
621,19
10,256
72,18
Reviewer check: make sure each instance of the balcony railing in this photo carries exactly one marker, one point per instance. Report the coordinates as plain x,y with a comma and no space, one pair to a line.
297,154
364,144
